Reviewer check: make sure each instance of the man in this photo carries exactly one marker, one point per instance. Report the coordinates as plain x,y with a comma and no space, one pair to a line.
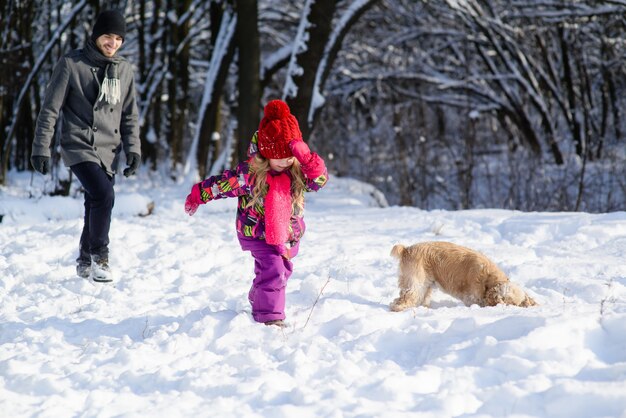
92,95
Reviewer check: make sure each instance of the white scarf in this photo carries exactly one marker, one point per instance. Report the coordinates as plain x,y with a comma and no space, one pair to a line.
110,89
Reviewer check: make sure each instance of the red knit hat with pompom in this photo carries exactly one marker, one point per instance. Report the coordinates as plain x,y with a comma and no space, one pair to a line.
277,128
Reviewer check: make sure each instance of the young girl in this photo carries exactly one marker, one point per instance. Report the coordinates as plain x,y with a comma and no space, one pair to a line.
270,187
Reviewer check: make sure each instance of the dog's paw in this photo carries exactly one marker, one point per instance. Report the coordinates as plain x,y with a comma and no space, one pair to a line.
397,306
527,302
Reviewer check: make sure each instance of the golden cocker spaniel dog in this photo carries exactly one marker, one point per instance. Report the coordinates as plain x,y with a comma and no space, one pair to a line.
459,271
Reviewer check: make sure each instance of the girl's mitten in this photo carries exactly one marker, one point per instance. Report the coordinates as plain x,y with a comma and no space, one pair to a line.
194,199
311,163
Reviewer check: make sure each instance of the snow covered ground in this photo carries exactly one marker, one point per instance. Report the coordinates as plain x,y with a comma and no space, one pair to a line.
174,336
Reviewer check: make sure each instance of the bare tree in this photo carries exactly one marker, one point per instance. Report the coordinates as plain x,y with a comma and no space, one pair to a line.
249,73
17,118
440,104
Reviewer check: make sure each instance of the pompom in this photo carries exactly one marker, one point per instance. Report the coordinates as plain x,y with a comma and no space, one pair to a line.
276,109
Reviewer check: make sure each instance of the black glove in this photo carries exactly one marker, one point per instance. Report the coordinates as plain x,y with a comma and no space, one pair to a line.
40,163
133,160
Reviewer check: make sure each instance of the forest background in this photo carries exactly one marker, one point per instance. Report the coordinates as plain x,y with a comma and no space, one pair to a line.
449,104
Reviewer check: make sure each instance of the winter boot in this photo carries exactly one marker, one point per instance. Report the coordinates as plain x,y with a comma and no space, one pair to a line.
100,271
277,322
83,269
83,264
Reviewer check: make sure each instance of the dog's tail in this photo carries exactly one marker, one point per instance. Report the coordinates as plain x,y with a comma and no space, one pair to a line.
397,251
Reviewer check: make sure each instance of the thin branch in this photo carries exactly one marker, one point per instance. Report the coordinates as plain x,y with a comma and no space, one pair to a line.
315,303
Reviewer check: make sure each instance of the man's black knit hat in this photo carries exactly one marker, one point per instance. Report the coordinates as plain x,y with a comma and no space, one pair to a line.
109,21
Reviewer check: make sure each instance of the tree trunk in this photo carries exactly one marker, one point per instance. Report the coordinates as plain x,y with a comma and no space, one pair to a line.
320,19
178,83
249,84
208,127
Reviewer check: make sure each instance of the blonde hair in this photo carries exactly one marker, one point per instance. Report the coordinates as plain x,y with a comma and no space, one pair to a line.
259,167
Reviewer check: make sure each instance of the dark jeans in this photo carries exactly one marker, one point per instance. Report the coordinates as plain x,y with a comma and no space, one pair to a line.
99,199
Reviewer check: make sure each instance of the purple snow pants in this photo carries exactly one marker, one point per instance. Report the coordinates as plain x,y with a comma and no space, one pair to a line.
267,294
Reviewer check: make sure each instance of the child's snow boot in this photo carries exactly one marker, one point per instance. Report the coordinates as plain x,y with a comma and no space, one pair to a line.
277,322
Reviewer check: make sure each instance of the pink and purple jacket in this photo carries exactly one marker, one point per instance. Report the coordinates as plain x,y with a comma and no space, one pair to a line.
239,182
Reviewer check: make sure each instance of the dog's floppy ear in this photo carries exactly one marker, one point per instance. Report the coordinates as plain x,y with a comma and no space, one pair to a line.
397,251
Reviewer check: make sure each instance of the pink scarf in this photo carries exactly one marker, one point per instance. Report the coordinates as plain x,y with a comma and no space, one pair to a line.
277,208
